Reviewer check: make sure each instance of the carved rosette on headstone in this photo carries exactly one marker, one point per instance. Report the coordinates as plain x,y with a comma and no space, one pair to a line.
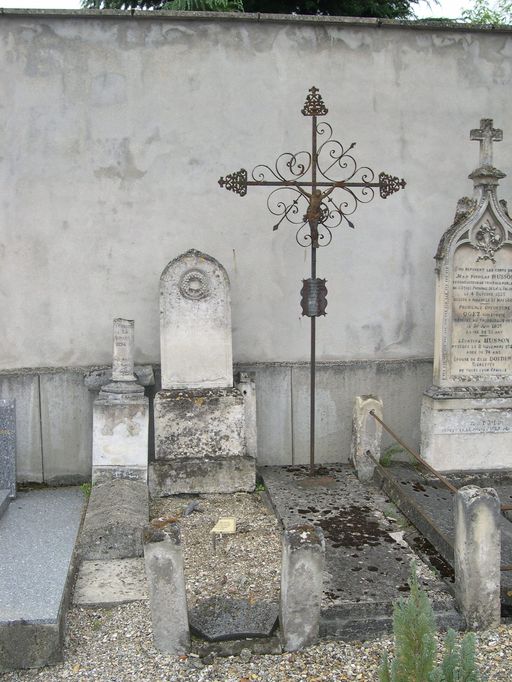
200,418
121,416
466,420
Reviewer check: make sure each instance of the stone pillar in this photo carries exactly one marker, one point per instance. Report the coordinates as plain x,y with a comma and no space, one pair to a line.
163,560
478,556
301,585
246,385
121,416
366,435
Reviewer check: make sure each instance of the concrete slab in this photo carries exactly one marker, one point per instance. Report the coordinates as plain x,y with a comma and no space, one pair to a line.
66,427
221,618
110,583
29,454
428,504
37,536
366,564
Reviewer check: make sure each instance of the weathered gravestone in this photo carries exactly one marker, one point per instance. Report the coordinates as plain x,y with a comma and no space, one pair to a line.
7,452
121,416
466,419
200,432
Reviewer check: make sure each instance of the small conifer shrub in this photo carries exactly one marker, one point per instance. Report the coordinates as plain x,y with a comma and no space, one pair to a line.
415,645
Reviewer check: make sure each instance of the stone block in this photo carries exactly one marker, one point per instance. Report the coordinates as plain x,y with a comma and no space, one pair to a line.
466,434
120,437
66,427
301,585
117,512
110,583
478,556
24,388
206,475
366,435
163,558
199,423
8,446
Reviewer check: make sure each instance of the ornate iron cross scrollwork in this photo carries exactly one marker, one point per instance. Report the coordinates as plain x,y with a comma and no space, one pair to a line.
317,191
306,183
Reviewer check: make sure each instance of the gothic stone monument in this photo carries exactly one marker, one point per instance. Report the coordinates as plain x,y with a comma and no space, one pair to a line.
200,421
121,416
466,419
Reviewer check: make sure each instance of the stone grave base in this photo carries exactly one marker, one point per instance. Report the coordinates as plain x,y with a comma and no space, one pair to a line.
200,444
466,433
207,475
120,437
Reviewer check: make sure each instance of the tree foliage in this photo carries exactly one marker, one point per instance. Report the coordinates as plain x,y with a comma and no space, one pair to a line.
483,12
383,9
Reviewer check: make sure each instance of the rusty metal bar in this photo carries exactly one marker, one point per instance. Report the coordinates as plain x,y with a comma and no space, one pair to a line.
506,567
416,456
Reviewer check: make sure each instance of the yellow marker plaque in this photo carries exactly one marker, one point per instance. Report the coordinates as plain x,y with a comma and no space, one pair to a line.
224,526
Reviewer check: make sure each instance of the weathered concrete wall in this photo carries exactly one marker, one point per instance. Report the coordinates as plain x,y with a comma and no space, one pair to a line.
115,130
114,133
54,412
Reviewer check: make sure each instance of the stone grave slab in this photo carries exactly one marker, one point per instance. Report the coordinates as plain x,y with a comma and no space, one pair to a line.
36,573
220,618
7,450
110,583
428,504
367,563
116,513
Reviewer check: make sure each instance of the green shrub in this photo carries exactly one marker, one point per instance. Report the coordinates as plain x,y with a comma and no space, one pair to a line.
415,645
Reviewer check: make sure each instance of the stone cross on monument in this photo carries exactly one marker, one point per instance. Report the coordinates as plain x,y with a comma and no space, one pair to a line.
316,190
486,135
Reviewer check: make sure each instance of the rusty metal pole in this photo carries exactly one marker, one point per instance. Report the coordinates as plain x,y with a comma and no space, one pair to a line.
312,368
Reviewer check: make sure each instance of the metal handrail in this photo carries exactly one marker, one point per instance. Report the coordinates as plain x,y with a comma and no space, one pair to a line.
444,481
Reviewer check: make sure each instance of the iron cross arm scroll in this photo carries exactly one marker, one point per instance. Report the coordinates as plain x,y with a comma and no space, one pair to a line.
305,183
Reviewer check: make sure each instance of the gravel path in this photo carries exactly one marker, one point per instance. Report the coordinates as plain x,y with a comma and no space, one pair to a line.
115,645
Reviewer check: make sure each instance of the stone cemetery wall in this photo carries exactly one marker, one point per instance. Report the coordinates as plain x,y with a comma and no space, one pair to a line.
115,130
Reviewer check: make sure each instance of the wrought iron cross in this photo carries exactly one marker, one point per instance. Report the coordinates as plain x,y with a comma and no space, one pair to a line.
318,191
486,135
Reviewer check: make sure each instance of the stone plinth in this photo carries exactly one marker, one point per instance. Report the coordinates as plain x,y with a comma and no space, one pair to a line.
464,431
200,443
366,435
466,419
195,323
120,437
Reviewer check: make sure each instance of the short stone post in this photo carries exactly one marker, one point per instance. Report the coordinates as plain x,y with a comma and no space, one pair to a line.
366,435
7,449
301,585
121,416
478,556
247,387
163,559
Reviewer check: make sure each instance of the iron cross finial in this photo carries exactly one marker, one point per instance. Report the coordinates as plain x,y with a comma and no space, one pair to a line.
486,135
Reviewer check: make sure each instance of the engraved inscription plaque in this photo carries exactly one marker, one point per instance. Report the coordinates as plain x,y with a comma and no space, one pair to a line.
481,307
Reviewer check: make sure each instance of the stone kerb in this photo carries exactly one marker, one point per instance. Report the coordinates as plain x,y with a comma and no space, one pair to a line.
163,558
301,586
366,435
7,451
478,556
195,323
